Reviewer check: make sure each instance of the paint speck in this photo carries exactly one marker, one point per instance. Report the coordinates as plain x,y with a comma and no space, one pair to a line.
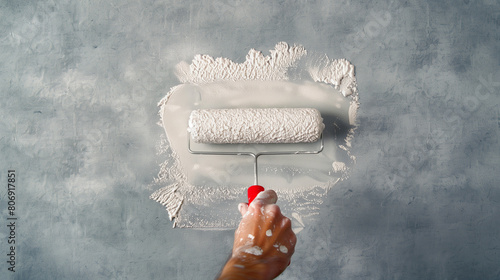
269,232
251,236
255,250
283,249
239,266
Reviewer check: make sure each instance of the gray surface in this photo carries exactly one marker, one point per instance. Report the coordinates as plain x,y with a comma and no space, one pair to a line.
79,86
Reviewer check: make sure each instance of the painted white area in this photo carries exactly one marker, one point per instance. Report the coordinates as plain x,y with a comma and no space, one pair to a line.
269,232
199,189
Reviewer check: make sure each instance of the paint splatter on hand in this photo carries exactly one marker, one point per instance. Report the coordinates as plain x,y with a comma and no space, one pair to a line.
263,243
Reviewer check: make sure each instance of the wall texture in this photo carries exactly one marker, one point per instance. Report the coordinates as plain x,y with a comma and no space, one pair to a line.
79,85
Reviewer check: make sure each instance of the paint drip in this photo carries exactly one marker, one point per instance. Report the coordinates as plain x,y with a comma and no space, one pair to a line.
201,192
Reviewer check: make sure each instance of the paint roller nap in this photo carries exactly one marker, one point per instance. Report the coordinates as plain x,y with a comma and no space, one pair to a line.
255,125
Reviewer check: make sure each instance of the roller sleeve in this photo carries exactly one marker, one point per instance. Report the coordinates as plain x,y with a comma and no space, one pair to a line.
262,125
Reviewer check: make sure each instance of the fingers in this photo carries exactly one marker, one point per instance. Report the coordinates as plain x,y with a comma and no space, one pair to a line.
264,235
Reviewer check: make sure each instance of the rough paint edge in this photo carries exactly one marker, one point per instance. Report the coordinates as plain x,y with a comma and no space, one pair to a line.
341,74
170,196
170,199
337,72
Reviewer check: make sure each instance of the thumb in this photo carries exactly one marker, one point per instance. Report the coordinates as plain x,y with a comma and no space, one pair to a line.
267,197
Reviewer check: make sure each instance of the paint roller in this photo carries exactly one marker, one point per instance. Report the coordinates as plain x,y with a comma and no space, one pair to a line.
256,126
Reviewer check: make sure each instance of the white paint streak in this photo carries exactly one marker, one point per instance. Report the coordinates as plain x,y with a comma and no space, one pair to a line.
255,250
339,166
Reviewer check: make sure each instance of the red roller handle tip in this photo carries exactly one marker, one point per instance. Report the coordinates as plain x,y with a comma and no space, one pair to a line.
253,191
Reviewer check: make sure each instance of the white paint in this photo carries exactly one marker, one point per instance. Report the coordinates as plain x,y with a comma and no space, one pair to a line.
256,125
338,72
251,236
259,82
255,250
283,249
206,69
269,232
239,266
170,198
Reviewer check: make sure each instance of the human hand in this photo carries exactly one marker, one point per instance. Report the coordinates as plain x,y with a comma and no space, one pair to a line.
263,243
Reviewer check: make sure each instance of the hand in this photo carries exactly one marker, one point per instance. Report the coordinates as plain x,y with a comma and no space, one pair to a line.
263,243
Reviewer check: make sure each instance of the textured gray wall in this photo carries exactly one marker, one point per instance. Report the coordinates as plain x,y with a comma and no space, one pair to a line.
79,83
